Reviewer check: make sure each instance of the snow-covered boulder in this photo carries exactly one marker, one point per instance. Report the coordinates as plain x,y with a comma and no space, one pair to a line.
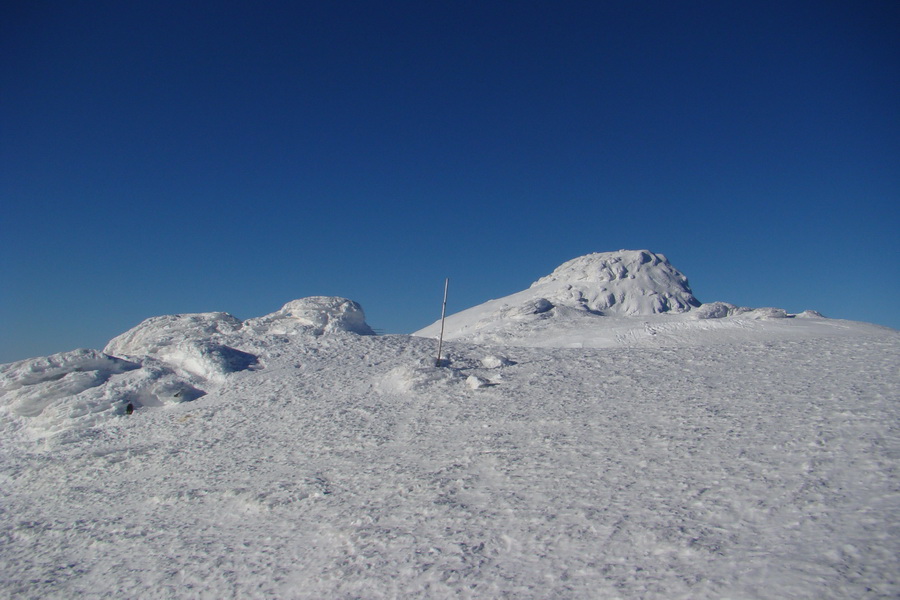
623,283
315,315
156,333
163,360
718,310
31,385
76,389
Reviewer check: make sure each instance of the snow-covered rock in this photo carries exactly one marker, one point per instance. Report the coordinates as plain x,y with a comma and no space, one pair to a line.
315,315
156,333
32,385
623,283
79,388
163,360
718,310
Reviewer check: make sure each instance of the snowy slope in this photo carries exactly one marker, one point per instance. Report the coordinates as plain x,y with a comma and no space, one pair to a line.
624,298
310,461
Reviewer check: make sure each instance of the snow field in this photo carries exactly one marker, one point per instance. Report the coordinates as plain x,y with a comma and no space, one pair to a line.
348,467
610,437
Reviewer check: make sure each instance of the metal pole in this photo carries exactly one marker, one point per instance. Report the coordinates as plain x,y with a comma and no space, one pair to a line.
443,312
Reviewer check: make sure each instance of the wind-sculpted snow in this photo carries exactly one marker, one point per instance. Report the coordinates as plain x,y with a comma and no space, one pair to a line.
78,389
623,283
158,333
317,315
166,360
350,467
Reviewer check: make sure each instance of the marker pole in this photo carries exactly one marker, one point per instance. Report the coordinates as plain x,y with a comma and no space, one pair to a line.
443,312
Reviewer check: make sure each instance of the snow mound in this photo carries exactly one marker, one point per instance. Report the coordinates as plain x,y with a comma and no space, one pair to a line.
189,344
30,386
493,361
207,359
406,379
78,388
718,310
170,359
156,333
623,283
627,283
316,315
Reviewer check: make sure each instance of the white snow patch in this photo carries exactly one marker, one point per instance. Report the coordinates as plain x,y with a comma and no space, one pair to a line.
475,382
493,361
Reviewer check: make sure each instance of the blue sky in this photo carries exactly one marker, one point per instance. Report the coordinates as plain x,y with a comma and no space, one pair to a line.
168,157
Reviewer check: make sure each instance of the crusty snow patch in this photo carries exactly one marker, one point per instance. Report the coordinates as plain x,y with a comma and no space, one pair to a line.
623,283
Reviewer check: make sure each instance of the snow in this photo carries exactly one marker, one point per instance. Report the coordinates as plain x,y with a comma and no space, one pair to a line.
318,315
733,457
170,359
626,298
624,283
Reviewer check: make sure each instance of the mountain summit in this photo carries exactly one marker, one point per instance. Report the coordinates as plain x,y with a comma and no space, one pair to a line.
624,283
624,298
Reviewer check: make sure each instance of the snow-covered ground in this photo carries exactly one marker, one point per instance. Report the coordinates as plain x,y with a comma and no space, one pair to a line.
291,457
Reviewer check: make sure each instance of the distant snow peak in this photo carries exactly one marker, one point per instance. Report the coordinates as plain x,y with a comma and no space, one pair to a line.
623,283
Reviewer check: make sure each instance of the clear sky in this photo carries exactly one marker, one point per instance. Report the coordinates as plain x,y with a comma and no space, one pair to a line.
166,157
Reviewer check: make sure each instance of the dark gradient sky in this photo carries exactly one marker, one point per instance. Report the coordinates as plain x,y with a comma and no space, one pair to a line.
163,157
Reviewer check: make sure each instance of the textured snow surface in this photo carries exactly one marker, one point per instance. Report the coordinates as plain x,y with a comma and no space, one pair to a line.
608,438
349,467
625,283
170,359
